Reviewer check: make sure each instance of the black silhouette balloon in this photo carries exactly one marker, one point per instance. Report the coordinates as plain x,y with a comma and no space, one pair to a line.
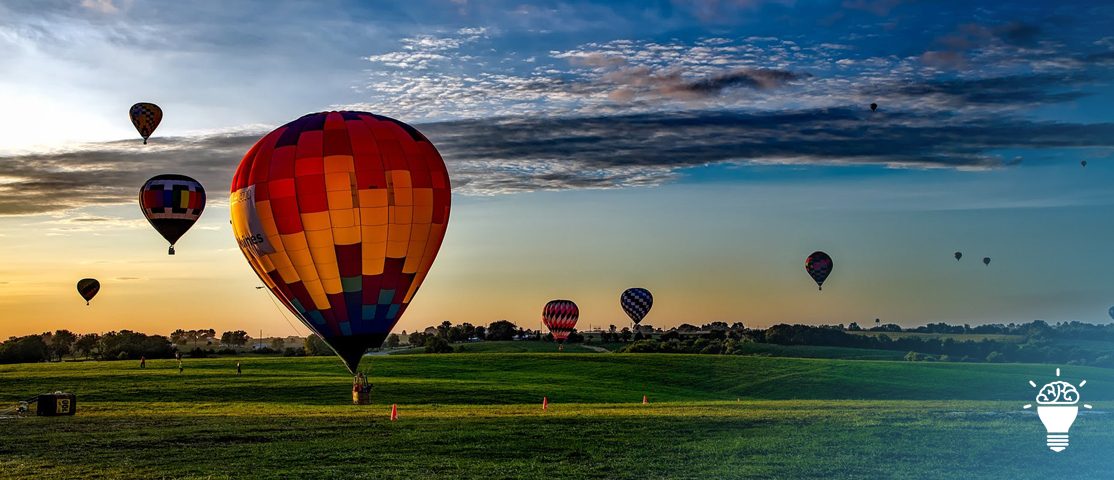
986,261
819,266
88,288
958,255
873,107
1084,163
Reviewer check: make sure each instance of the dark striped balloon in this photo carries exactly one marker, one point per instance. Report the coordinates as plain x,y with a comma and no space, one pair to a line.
172,203
560,316
819,266
88,288
637,302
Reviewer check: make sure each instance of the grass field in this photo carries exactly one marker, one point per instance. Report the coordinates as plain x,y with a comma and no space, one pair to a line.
520,347
479,416
758,349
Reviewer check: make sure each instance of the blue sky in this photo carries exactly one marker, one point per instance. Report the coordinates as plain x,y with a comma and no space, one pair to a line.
702,146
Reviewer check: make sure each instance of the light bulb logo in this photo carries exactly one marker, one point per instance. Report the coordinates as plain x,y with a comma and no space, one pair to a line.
1057,407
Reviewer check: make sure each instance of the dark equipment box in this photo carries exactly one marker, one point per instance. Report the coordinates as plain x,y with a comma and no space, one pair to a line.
54,404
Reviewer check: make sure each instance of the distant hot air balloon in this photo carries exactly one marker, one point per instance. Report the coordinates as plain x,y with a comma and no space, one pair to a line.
146,118
986,260
819,266
1111,312
873,107
341,214
560,316
172,203
88,288
958,255
1084,163
637,303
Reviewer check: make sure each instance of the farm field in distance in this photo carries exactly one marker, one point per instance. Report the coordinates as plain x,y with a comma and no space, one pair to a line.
478,415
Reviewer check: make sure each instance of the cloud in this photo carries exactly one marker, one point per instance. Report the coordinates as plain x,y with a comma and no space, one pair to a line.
101,6
530,153
1012,43
1016,91
112,172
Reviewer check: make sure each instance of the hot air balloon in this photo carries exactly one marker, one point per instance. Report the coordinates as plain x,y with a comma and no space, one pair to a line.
1111,312
172,203
1084,163
958,255
637,302
88,288
146,118
873,107
341,214
819,266
560,316
986,261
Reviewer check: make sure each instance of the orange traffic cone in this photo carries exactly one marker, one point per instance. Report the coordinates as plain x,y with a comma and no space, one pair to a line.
394,412
545,403
645,401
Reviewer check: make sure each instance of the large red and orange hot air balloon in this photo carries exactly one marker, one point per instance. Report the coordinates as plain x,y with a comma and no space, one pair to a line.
341,215
560,316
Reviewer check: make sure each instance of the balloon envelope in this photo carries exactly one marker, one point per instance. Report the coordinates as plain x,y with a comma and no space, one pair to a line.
819,265
986,260
1111,312
88,288
172,203
873,107
341,214
146,118
1084,163
958,255
636,302
560,316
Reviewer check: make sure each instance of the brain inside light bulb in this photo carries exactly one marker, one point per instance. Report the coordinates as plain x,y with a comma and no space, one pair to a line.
1058,393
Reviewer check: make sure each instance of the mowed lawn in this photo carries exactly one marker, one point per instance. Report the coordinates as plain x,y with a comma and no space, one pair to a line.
479,416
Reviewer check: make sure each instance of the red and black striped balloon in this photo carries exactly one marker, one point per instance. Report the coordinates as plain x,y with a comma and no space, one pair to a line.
560,316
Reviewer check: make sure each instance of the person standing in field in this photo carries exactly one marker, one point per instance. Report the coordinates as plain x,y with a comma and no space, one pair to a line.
142,361
238,371
179,365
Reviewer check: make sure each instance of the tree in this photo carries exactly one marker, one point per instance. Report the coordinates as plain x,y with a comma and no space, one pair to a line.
501,330
626,334
86,345
392,340
416,339
235,337
277,344
443,329
315,346
61,343
437,345
178,337
27,349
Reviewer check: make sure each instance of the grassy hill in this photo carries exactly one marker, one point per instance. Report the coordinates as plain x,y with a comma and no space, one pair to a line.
478,416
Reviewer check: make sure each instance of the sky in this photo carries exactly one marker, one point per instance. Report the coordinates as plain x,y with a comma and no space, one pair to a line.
698,148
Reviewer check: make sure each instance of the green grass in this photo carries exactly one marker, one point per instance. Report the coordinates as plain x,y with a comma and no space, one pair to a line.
759,349
517,347
479,416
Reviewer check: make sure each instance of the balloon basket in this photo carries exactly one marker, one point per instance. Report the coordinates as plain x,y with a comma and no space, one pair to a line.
361,390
